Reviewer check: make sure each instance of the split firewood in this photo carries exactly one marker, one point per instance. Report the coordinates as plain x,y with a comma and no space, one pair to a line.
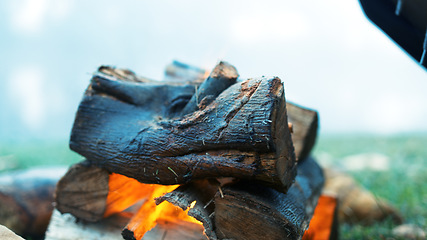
83,191
357,205
123,74
124,127
304,129
197,197
26,200
250,211
91,193
223,76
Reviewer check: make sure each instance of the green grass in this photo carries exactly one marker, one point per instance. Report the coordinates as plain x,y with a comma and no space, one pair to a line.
404,184
21,155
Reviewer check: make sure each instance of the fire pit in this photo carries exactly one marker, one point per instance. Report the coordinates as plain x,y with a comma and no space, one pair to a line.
189,158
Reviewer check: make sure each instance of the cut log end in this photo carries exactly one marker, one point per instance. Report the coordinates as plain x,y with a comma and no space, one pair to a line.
77,190
264,213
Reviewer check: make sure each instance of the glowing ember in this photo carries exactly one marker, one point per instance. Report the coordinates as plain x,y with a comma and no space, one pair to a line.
150,214
125,192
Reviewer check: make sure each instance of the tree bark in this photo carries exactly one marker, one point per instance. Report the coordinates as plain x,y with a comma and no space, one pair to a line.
305,123
125,128
26,200
249,211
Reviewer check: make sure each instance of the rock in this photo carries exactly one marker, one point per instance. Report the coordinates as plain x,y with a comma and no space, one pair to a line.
409,231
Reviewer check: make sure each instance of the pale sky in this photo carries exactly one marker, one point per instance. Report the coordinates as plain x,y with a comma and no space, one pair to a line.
329,56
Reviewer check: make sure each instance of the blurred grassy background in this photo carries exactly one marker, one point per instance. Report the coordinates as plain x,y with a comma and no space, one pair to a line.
402,179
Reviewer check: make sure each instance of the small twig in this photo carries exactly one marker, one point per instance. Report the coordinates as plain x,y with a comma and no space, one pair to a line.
220,192
209,203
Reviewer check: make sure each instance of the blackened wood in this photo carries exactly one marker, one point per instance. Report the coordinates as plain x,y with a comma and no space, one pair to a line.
200,192
91,193
124,128
83,192
250,211
123,74
223,76
26,200
305,123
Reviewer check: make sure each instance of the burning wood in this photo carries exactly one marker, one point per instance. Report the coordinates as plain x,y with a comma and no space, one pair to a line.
124,128
136,133
249,211
304,124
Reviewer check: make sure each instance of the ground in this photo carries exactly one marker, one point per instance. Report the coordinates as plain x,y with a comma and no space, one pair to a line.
392,167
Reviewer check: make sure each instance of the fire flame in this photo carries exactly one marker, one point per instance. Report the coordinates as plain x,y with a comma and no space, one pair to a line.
125,192
150,214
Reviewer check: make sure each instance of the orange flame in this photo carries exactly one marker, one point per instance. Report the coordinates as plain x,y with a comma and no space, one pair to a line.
125,192
149,214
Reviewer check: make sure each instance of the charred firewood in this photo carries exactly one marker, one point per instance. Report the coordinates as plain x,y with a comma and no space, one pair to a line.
83,191
90,193
197,197
125,127
250,211
304,129
223,76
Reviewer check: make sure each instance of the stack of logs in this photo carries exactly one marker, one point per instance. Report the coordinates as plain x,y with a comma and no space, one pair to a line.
230,157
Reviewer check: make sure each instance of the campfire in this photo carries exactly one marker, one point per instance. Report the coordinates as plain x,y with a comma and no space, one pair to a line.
192,157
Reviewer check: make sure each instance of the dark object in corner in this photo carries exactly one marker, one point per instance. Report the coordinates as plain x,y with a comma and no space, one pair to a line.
403,21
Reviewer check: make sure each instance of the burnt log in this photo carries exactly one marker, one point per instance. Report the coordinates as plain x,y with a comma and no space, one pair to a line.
26,200
223,76
305,123
83,191
197,197
249,211
126,127
90,193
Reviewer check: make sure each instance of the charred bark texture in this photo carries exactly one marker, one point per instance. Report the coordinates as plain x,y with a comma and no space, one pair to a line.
305,123
249,211
200,192
126,127
223,76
